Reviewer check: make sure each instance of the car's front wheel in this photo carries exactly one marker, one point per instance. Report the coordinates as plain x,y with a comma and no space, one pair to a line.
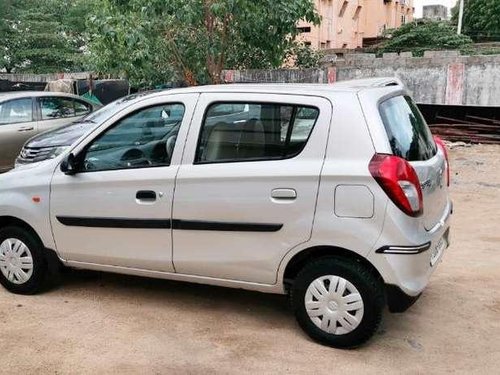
338,302
23,267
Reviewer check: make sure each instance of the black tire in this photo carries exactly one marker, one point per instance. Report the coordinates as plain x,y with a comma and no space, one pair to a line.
369,286
40,275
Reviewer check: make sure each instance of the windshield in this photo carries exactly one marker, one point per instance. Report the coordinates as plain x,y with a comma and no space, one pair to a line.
109,110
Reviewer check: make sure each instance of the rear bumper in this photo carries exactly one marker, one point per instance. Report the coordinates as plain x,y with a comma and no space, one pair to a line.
409,262
397,300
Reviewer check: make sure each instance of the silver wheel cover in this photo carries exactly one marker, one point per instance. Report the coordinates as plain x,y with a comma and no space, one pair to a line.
16,262
334,305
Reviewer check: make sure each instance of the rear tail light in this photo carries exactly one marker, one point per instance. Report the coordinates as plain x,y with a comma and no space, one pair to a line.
442,146
399,181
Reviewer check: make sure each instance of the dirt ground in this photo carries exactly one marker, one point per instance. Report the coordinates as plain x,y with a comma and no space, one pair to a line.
102,323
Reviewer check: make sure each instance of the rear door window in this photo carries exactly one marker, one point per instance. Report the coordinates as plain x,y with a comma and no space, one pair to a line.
407,131
53,108
82,108
235,132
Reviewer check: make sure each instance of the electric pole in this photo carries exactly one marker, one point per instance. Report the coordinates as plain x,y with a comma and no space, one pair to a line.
460,17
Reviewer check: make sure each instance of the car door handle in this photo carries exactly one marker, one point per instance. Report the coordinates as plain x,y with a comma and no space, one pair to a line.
25,129
284,194
146,196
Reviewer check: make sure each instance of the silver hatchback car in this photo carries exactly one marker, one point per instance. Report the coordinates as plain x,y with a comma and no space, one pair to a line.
24,114
336,195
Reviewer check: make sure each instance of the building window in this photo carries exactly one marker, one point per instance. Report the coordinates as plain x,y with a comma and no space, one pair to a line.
356,13
344,7
304,29
307,44
403,19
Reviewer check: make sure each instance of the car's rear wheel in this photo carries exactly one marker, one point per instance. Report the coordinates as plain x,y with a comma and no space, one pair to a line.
338,302
23,267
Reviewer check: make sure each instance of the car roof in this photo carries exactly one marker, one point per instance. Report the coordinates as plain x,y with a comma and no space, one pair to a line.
353,86
30,94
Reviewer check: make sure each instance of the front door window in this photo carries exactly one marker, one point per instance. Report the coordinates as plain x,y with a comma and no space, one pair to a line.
144,139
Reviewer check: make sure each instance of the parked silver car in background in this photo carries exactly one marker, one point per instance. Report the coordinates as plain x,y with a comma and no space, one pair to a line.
24,114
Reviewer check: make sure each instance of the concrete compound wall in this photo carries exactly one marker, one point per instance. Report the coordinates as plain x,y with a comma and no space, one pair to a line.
439,77
42,77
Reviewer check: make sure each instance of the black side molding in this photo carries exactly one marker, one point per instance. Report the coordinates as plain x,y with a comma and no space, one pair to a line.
108,222
91,222
225,226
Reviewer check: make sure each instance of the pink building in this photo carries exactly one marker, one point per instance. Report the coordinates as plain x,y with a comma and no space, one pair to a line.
345,23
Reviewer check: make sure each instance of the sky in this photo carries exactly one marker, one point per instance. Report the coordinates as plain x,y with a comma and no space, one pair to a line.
418,4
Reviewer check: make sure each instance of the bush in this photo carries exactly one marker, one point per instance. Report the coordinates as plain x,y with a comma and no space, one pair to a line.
424,35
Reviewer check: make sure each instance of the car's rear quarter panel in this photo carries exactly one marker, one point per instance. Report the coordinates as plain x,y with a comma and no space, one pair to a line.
410,272
355,223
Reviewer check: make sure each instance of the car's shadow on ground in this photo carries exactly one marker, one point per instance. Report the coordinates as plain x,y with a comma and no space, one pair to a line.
147,291
267,310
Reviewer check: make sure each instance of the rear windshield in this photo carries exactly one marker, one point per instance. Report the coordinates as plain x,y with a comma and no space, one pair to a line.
408,133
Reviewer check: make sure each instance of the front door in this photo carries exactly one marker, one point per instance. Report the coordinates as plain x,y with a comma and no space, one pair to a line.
117,209
246,189
17,125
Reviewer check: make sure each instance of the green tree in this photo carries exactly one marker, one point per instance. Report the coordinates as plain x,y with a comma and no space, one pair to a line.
196,39
304,56
124,41
8,36
34,37
422,35
481,19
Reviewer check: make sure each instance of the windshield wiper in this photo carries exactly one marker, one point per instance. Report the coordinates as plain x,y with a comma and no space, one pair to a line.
83,121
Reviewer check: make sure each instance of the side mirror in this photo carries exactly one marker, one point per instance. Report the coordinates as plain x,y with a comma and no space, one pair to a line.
69,165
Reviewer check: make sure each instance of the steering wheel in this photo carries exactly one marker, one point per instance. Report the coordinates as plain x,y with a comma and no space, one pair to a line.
88,165
135,158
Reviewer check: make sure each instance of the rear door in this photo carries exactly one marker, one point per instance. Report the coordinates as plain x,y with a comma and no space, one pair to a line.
410,138
246,190
17,125
54,111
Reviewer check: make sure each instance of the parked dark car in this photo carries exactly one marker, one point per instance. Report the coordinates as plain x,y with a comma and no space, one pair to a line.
25,114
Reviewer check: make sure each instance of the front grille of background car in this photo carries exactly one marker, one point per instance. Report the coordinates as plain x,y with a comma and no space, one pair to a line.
31,154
